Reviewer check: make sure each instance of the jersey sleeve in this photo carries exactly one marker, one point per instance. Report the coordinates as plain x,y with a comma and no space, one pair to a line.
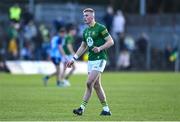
104,32
69,40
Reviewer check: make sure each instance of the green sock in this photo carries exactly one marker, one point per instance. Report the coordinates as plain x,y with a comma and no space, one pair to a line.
104,103
67,77
83,104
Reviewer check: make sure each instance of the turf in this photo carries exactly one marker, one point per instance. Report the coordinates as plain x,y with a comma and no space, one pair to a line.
131,96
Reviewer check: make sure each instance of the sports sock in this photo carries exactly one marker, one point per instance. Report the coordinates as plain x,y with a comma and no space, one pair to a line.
67,77
83,104
105,106
47,77
58,82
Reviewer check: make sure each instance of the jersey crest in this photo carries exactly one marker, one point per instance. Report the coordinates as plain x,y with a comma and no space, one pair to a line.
89,41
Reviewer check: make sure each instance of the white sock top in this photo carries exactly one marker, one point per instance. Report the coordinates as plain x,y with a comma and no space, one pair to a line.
83,107
106,108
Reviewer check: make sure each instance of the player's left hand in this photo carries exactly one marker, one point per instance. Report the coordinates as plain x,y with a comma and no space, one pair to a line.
65,58
96,49
69,63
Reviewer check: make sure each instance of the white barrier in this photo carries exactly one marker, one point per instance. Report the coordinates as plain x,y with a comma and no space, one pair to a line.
41,67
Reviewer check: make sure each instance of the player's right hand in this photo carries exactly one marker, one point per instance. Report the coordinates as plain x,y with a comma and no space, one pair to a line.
69,63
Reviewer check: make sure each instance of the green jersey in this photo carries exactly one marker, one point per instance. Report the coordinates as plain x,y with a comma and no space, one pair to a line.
68,40
94,37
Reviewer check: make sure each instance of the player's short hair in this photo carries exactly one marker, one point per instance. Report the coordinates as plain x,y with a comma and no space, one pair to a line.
70,27
62,30
89,10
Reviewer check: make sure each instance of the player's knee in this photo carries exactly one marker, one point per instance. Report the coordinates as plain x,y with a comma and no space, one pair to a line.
74,67
89,84
96,86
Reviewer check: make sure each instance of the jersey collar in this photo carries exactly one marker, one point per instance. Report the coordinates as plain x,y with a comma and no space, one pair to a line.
92,25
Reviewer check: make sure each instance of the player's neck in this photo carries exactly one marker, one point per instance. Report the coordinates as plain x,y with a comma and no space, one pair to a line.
92,23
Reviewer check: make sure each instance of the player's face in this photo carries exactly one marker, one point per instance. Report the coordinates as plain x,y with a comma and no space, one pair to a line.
73,32
62,34
87,17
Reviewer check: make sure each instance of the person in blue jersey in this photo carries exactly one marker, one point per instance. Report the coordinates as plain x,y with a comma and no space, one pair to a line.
56,54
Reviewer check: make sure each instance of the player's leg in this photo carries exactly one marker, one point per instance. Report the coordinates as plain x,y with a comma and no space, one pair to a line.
47,77
70,72
102,96
60,82
66,82
99,90
93,75
55,61
90,83
64,70
58,75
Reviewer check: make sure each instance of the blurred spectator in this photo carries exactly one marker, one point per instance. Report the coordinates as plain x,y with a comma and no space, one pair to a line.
174,55
58,23
45,34
12,41
26,51
129,43
170,53
34,38
122,45
170,56
27,16
30,31
2,45
118,26
142,43
15,13
13,49
38,40
108,18
124,60
3,66
168,50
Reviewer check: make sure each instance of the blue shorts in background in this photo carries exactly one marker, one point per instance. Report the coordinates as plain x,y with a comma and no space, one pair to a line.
56,61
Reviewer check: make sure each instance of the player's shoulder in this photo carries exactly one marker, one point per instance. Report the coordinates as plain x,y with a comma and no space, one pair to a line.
67,36
84,31
100,25
55,37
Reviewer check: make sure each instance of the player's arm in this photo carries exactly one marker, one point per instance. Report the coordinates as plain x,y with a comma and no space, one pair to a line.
109,42
81,50
78,53
70,48
61,50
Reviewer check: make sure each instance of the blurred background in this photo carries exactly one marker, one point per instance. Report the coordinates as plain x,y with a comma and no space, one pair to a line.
146,32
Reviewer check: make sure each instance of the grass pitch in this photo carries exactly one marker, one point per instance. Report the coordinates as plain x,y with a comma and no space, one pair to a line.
131,96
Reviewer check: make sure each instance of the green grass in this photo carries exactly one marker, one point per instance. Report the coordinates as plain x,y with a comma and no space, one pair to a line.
131,96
